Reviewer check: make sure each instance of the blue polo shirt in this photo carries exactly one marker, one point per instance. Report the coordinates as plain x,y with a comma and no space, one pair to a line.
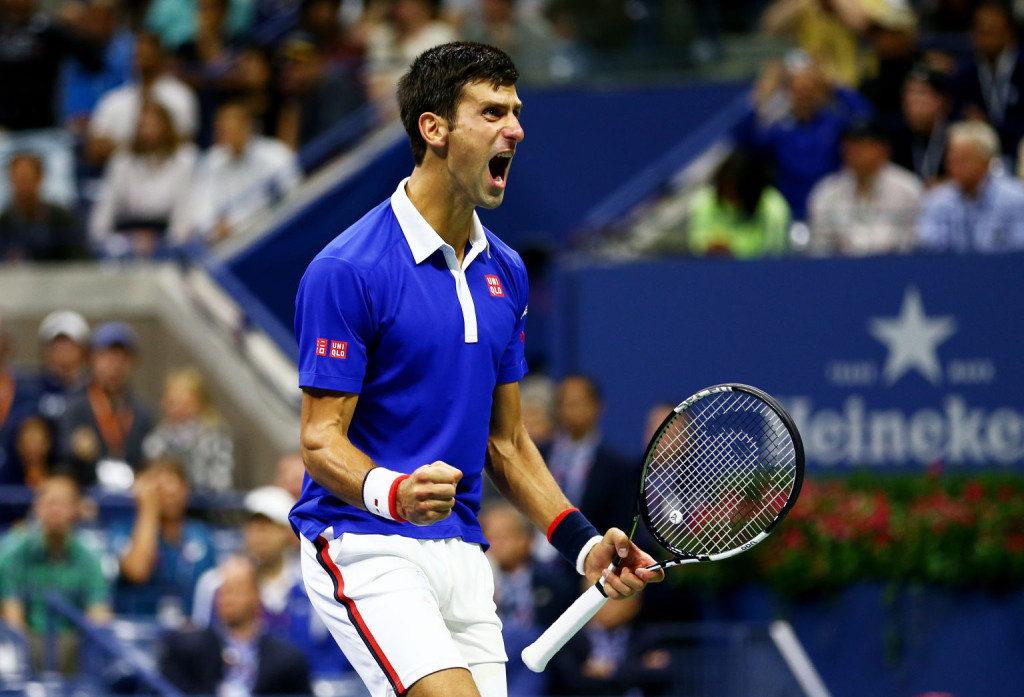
386,311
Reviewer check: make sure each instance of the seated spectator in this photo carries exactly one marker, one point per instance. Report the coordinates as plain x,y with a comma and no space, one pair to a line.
317,92
108,422
411,28
240,657
174,21
31,228
529,40
19,397
82,89
143,201
64,340
35,453
978,210
827,30
192,431
163,553
989,85
290,474
804,141
47,557
537,397
612,655
919,141
740,215
892,32
115,122
239,176
871,205
34,48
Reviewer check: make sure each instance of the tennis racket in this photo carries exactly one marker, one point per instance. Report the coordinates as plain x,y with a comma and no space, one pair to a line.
721,472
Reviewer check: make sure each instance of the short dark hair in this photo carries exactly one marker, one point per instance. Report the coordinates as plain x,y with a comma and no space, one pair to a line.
435,80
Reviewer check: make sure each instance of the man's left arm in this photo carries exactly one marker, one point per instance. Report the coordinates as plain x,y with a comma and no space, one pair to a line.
518,471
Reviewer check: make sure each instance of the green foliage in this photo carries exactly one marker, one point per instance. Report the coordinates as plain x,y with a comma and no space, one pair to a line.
954,531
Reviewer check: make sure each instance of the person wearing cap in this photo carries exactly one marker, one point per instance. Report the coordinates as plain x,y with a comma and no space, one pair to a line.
285,607
869,207
109,421
64,340
919,141
980,209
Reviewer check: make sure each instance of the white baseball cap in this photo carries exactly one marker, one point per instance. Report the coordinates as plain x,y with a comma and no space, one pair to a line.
64,323
272,502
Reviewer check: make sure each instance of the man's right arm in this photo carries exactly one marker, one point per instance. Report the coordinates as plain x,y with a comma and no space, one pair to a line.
337,465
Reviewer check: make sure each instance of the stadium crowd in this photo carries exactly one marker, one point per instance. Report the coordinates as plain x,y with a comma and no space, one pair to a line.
130,128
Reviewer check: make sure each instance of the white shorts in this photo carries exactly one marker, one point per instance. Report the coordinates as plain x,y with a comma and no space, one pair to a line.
402,608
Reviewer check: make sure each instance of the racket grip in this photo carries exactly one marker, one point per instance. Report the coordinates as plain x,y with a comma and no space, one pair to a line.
537,654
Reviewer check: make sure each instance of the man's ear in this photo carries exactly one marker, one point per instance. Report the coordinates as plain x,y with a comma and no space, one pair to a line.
434,130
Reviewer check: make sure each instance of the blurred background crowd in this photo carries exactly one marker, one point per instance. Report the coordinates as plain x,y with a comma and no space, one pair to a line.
143,130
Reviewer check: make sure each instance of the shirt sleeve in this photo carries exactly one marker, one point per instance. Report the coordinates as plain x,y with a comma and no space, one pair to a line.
333,326
932,230
97,590
513,360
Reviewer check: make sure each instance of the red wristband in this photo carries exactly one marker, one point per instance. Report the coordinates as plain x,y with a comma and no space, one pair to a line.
393,498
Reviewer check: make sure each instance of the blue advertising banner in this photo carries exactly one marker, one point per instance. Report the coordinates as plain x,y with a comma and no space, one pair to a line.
884,362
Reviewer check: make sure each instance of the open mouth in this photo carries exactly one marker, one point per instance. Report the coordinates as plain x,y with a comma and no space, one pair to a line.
498,167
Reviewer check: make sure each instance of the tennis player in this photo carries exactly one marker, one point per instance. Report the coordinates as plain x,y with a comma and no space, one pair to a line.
410,327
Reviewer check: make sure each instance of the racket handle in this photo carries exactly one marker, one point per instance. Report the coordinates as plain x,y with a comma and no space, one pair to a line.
537,654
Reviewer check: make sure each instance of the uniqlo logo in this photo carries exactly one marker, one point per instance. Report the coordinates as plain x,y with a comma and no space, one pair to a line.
339,349
321,347
494,285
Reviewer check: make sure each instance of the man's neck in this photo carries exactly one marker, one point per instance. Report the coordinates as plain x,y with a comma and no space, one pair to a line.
270,570
975,191
433,196
866,182
55,543
245,631
29,207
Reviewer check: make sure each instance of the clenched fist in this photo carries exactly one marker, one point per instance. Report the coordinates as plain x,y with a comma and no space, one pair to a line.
428,494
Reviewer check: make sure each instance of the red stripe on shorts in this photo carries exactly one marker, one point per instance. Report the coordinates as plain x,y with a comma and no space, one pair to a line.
357,619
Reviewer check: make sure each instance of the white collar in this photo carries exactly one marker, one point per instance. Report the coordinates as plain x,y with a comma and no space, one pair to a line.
423,240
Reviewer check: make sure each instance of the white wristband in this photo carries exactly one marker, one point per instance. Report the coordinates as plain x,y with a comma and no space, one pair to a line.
380,486
591,543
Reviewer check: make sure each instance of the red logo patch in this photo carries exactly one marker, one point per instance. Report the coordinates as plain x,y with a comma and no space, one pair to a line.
339,349
321,347
494,285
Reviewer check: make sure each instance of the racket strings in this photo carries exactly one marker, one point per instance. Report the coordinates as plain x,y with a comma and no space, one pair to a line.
720,473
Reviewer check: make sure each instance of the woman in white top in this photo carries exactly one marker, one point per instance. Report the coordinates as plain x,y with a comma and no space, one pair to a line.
144,197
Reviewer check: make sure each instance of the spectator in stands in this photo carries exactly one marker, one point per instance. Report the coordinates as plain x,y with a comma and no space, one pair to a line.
115,121
989,85
290,473
892,32
613,655
529,40
828,30
871,205
537,394
47,557
192,431
83,89
240,175
317,92
30,64
32,228
803,141
741,214
525,598
144,199
919,141
109,421
978,210
240,657
164,553
411,27
19,396
33,445
174,21
64,341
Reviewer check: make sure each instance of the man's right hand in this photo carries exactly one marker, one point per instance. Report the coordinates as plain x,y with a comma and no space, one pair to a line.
428,494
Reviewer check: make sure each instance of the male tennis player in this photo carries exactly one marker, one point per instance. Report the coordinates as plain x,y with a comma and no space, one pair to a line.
410,329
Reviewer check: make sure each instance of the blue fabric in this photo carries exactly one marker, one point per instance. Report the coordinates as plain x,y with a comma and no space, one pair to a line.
804,152
177,569
393,331
571,534
82,90
993,222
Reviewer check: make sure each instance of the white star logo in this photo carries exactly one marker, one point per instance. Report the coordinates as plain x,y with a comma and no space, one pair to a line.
912,339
